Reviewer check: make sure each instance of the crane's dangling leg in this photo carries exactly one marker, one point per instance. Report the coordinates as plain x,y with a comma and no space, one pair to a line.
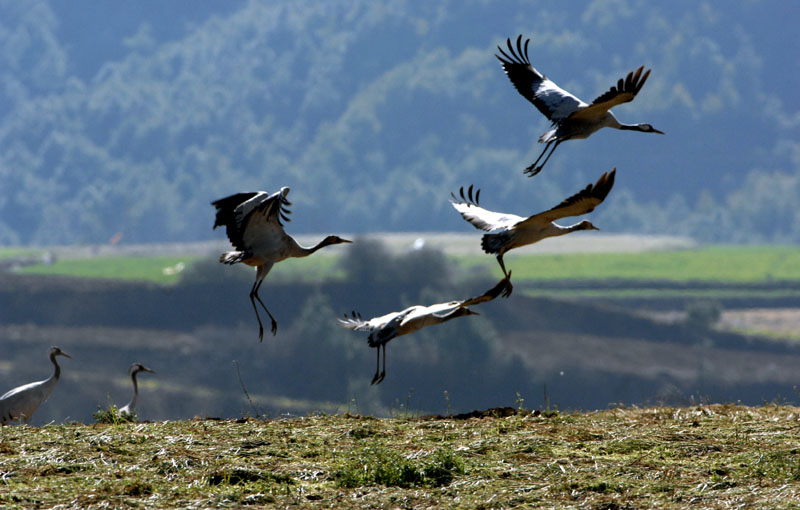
506,274
377,364
379,377
533,165
533,169
274,322
255,309
260,274
383,369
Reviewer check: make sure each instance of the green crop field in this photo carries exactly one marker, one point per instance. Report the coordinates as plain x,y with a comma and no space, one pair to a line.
161,269
733,264
711,456
169,269
714,263
6,253
645,292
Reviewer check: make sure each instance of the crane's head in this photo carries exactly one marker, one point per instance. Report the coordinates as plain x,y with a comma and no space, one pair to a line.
138,367
647,128
585,225
461,312
56,351
335,240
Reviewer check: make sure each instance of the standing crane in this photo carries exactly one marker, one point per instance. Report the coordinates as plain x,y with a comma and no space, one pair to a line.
509,231
253,224
570,117
130,407
21,402
413,318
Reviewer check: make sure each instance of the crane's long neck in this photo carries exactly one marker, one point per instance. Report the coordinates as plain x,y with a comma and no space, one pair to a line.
135,386
560,230
57,372
302,251
132,403
630,127
610,121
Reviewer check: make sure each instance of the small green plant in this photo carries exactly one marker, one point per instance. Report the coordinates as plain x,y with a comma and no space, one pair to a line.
382,466
112,416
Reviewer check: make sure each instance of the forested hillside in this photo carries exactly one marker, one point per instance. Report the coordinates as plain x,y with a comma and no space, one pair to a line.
131,117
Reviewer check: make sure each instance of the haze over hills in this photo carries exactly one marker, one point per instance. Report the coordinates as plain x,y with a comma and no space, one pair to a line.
131,118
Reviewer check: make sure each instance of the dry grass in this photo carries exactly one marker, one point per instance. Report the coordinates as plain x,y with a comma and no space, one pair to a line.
715,456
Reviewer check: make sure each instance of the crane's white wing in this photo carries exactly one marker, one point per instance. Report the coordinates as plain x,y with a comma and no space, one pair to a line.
413,318
580,203
261,234
249,216
624,92
383,328
479,217
444,310
355,322
24,400
554,102
439,310
15,392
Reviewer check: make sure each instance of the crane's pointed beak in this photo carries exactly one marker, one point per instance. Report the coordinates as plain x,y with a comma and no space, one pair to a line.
659,132
62,353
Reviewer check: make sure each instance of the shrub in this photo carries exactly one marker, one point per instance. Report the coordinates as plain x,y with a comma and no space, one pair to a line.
703,314
112,416
381,466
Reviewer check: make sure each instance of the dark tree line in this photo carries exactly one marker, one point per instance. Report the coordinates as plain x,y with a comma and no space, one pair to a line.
120,120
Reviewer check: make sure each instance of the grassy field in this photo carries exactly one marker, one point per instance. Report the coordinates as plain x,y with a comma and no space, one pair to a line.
716,456
731,264
18,252
169,269
741,264
161,269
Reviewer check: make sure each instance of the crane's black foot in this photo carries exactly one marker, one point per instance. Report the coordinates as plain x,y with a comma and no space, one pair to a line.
378,378
260,333
532,170
274,327
509,288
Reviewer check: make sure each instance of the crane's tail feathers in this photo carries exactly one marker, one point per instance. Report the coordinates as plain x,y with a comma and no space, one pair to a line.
232,257
495,242
352,321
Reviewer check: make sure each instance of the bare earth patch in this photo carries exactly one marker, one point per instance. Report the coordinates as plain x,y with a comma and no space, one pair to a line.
778,322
